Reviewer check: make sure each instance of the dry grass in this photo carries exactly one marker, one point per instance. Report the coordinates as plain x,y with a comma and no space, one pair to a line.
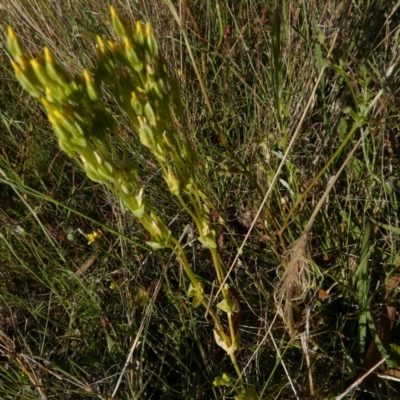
299,93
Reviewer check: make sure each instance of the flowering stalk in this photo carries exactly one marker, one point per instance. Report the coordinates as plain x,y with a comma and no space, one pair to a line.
136,74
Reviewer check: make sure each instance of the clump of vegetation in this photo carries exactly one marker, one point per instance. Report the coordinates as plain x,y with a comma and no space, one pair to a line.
135,72
228,225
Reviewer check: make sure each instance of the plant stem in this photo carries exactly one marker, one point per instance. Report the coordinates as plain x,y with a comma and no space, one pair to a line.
219,271
180,254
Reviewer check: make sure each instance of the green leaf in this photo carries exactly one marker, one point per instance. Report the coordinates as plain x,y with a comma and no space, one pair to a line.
110,342
197,294
396,348
138,213
208,242
158,245
384,353
228,305
223,341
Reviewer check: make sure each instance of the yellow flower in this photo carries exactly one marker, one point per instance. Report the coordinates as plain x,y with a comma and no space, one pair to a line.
92,237
114,285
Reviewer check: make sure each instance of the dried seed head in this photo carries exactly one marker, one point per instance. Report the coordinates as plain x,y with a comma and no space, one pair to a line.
295,282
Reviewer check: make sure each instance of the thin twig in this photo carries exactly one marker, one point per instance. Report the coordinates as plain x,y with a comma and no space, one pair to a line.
283,365
359,380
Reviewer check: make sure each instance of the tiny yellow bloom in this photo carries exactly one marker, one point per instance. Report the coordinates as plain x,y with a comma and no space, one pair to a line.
92,237
114,285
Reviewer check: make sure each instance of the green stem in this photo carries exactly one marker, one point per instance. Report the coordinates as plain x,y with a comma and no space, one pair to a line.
233,339
190,212
180,254
219,271
237,369
196,194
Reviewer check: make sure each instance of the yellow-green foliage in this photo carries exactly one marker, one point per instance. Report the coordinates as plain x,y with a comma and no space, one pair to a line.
136,74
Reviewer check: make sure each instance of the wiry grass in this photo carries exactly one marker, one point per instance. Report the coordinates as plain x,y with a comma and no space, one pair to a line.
70,312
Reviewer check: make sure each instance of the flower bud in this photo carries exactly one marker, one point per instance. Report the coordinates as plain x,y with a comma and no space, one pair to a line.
152,85
173,182
66,147
126,187
41,74
160,152
98,157
24,80
150,41
79,141
53,71
91,171
106,60
92,90
131,55
150,114
108,167
117,23
208,235
146,136
136,104
71,126
101,45
139,211
148,29
105,174
113,47
13,44
50,95
160,234
139,33
63,136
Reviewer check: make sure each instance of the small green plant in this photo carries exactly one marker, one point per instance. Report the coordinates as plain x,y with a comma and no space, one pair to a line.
135,72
